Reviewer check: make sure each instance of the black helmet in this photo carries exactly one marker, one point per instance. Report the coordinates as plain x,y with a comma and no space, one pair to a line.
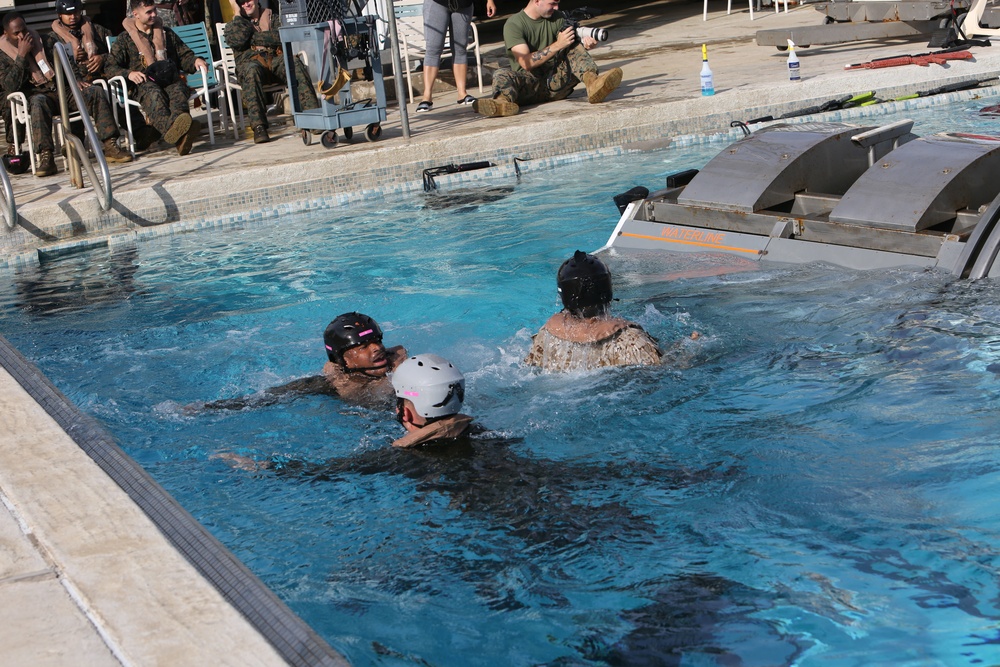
68,6
584,285
347,331
17,163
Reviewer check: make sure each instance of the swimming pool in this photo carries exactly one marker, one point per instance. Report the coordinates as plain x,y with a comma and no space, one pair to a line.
814,483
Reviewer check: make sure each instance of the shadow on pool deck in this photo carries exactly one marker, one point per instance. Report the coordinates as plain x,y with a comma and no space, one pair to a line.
76,591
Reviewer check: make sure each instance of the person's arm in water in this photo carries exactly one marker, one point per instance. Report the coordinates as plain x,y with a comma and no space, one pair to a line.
315,384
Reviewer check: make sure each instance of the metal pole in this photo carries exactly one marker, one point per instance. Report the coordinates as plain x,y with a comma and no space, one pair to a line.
397,70
72,162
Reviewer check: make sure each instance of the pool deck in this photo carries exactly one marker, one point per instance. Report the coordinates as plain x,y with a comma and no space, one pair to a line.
85,575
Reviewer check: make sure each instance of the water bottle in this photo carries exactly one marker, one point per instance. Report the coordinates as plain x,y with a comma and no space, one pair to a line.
707,85
793,63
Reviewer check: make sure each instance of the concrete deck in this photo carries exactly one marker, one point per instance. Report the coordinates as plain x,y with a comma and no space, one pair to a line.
86,577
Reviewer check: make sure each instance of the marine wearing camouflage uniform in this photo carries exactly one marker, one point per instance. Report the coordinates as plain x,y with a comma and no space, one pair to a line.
161,106
43,102
555,79
617,342
259,62
552,81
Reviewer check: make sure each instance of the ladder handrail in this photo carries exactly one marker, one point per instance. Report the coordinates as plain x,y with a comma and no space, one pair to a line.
8,210
77,154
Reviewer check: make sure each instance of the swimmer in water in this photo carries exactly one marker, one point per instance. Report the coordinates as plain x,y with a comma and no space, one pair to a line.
356,371
359,364
429,394
584,335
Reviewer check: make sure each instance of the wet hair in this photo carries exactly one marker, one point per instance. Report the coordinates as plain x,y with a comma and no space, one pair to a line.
9,18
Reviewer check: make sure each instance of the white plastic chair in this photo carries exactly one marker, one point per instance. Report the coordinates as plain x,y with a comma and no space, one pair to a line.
729,8
21,116
410,29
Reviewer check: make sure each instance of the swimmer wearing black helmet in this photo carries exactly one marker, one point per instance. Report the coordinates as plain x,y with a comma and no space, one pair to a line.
584,335
356,371
359,363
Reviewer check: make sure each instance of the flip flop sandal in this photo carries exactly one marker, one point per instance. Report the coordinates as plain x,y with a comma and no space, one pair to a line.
467,100
424,106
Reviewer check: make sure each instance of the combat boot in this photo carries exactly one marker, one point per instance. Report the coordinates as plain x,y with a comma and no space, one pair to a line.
600,86
260,135
46,165
114,153
494,107
178,129
187,141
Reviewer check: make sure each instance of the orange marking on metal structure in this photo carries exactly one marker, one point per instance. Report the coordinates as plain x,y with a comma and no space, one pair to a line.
694,243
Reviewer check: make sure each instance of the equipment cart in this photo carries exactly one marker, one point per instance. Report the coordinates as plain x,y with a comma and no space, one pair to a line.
348,42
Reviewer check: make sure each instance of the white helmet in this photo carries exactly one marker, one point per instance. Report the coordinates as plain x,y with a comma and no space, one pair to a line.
432,384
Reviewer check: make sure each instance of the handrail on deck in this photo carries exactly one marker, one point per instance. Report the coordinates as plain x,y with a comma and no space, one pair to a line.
76,154
8,210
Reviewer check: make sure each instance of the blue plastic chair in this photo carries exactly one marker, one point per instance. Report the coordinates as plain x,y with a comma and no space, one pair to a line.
207,83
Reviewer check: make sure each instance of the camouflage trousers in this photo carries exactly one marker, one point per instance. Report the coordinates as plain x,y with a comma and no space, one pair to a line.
267,69
553,81
44,104
162,106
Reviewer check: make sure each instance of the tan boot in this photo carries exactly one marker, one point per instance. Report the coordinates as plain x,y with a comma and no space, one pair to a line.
46,164
600,86
112,153
495,107
178,129
187,141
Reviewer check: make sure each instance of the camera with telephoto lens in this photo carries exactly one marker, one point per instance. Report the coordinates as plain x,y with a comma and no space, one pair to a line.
573,18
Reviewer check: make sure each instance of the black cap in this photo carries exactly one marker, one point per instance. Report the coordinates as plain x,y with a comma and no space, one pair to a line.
347,331
584,285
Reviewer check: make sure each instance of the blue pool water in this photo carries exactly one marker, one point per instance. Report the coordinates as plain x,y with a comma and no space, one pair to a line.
812,482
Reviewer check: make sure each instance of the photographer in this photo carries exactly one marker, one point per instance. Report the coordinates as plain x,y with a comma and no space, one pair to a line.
547,62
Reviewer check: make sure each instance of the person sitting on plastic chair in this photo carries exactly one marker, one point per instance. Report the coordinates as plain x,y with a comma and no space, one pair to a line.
151,57
253,37
25,67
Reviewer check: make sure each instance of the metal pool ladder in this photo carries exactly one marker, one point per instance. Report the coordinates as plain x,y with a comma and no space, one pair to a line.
76,154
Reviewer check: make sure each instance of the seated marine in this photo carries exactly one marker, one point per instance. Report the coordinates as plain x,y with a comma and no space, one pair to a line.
547,61
253,37
26,67
357,369
151,57
584,335
429,394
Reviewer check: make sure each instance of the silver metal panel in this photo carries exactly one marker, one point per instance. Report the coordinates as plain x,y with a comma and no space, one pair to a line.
639,235
804,252
923,183
771,165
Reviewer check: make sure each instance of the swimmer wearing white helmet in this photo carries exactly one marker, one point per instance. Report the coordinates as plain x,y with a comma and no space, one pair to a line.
429,394
584,335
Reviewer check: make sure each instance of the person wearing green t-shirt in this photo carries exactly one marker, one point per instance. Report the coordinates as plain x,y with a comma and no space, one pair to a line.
547,62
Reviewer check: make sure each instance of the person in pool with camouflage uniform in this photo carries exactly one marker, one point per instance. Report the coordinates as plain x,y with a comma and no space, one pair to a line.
25,67
151,57
253,37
